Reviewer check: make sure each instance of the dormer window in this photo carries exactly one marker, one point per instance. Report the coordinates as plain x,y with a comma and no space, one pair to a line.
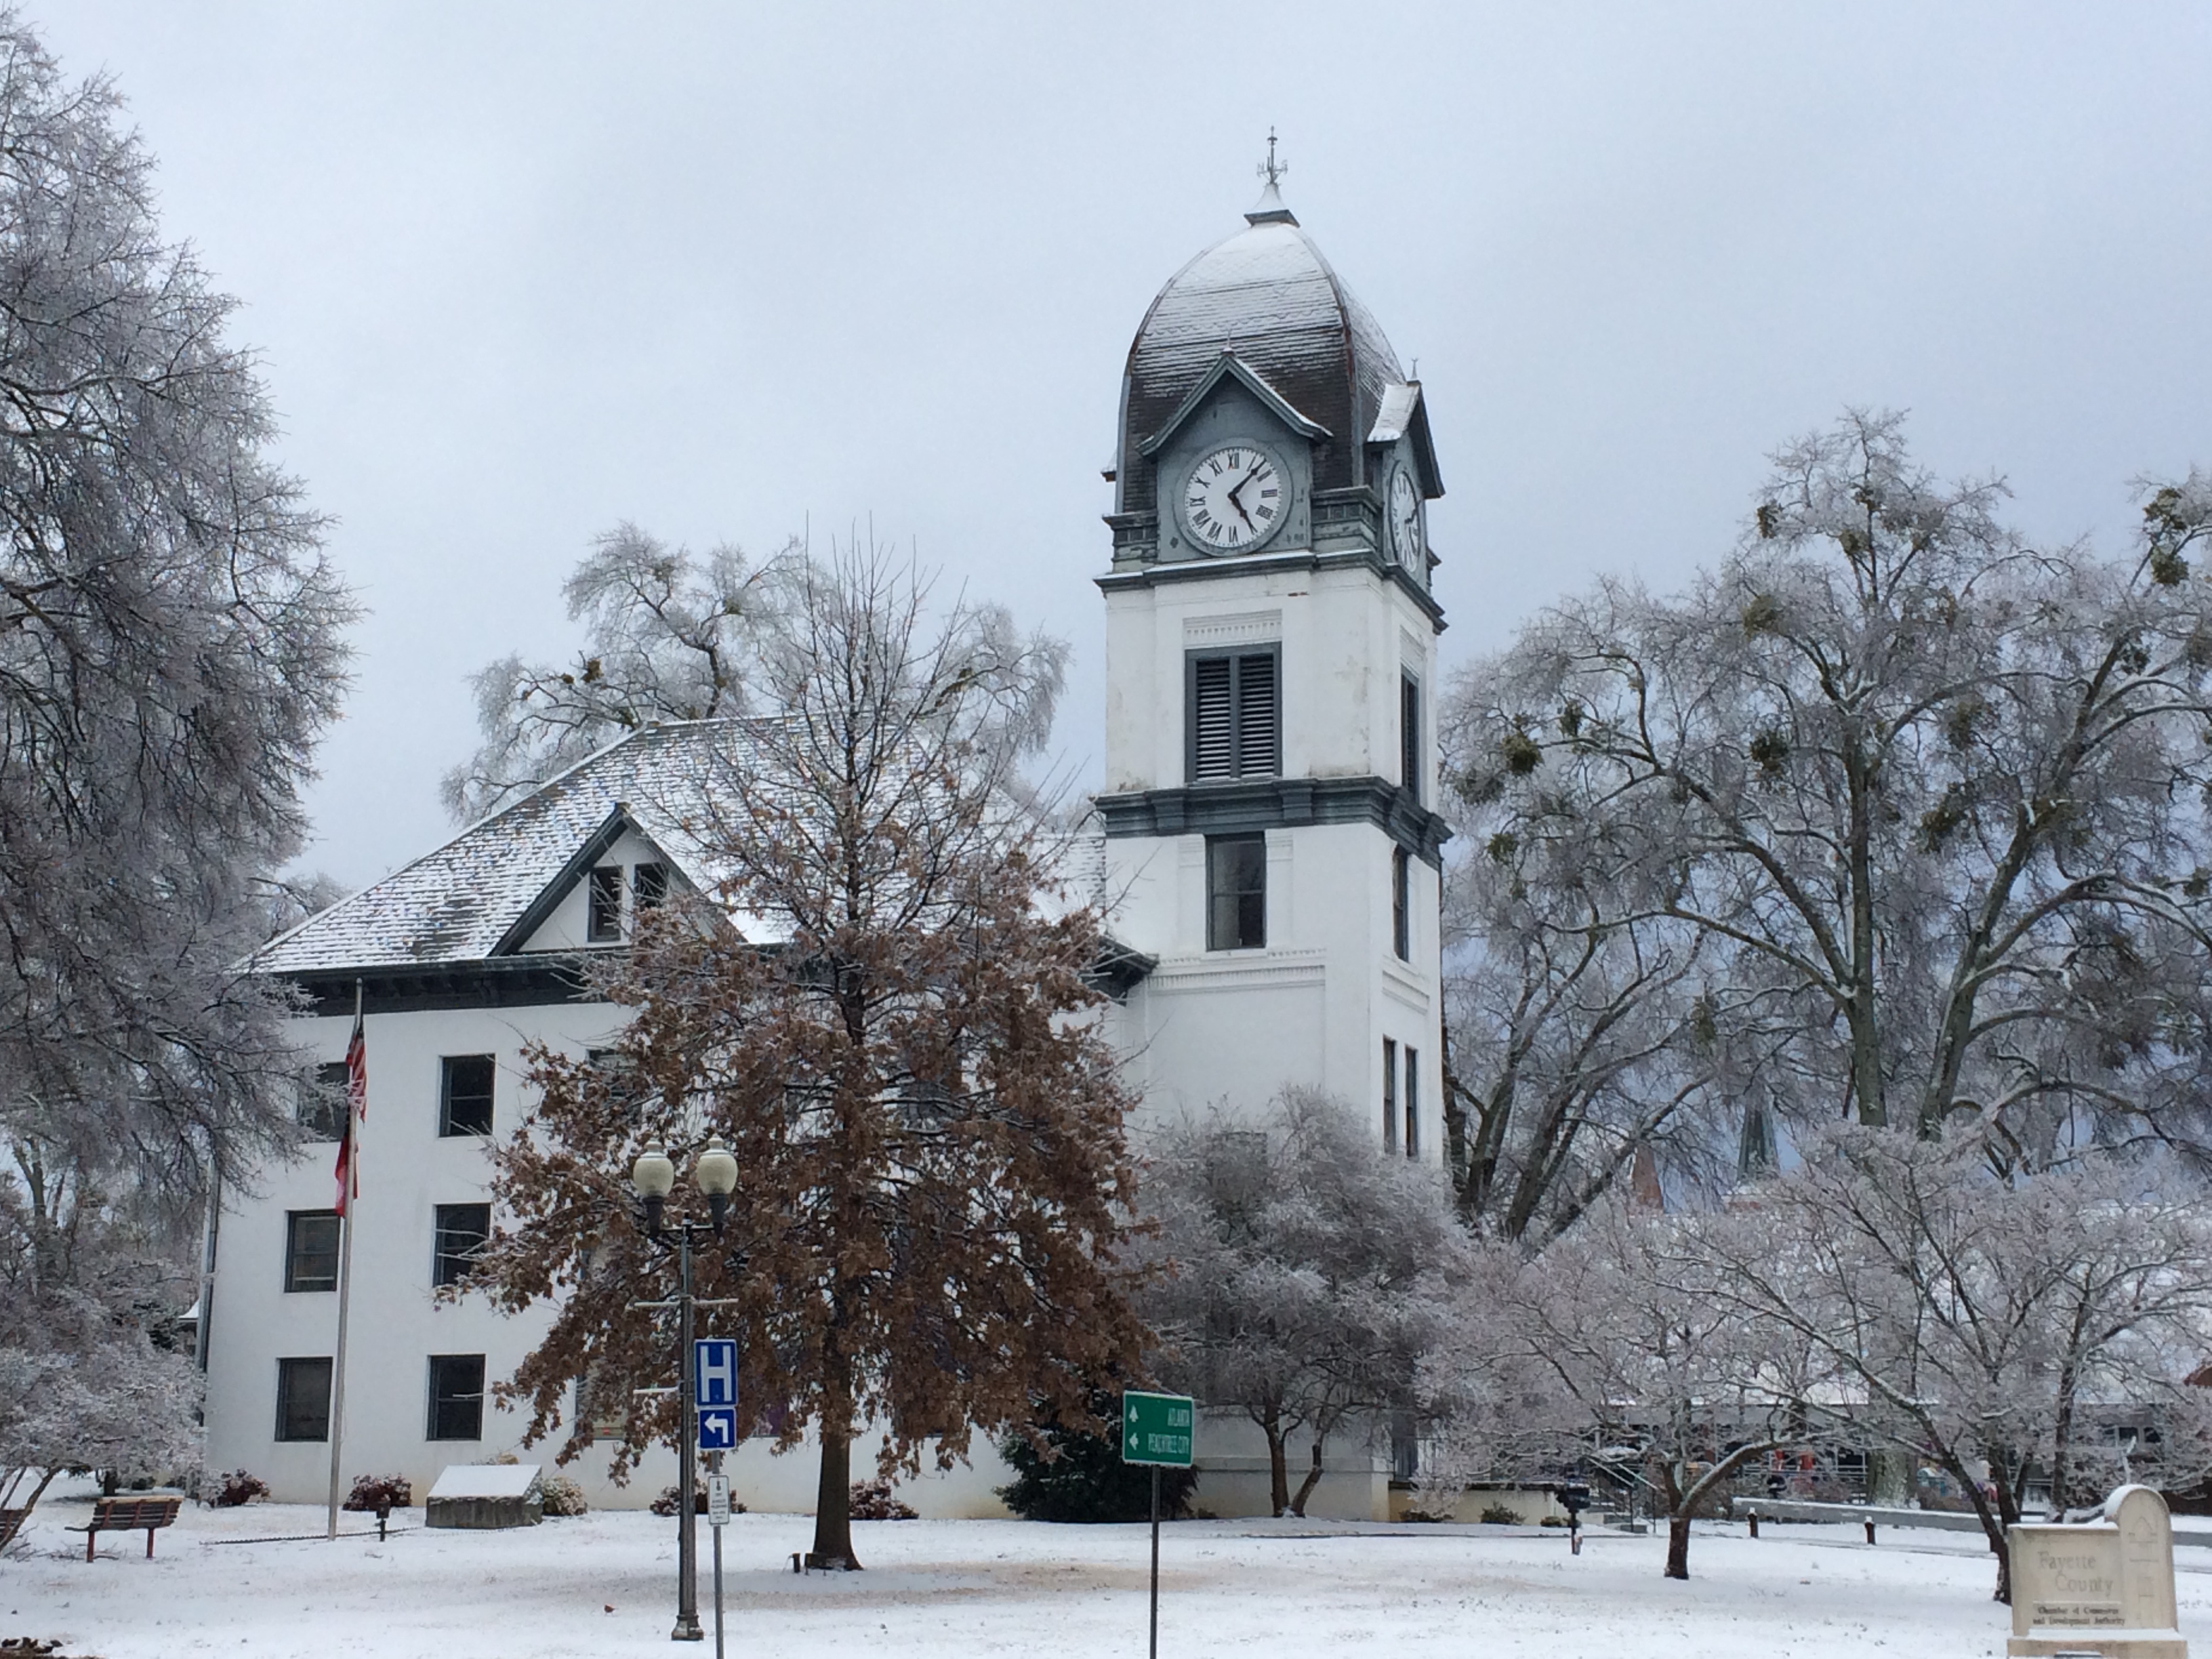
603,920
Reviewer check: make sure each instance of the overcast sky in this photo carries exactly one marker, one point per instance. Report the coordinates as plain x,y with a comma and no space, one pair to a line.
520,272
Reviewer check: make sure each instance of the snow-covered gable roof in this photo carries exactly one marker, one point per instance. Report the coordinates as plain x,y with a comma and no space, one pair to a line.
467,901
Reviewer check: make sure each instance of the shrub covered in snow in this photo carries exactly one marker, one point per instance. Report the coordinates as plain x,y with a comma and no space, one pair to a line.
872,1500
372,1492
238,1487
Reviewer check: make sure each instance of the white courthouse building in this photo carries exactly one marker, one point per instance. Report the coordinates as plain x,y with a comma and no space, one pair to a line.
1270,847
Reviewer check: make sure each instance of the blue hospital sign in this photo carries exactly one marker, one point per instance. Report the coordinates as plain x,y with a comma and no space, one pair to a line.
718,1428
714,1372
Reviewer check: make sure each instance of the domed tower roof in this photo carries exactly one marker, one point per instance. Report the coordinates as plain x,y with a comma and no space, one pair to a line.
1268,296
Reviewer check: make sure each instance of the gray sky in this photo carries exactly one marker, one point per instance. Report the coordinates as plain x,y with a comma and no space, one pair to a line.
520,271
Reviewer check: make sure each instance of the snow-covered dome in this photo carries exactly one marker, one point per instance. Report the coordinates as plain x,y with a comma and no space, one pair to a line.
1268,295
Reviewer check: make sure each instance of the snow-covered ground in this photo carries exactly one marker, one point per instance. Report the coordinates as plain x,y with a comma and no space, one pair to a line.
604,1584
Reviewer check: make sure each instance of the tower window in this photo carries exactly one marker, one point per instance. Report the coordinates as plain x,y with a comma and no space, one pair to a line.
1234,715
1409,735
465,1094
1235,892
603,913
1389,1094
1413,1103
1401,903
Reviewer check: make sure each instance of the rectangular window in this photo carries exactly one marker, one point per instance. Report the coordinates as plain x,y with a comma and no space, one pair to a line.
311,1250
1413,1103
462,1230
1389,1094
1235,892
1401,903
1234,716
648,885
303,1400
602,905
1409,735
465,1094
456,1396
323,1101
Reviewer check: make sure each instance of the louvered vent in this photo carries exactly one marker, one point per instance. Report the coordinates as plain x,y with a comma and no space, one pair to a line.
1214,750
1256,717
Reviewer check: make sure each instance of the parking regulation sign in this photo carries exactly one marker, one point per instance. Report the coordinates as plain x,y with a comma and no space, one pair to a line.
1156,1428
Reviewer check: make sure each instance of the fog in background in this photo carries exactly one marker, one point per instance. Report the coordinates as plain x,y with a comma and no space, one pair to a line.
520,271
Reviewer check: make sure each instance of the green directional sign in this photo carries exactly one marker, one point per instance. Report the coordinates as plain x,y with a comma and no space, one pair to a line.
1156,1428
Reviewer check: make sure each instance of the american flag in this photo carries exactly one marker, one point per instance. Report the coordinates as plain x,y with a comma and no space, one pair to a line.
356,1064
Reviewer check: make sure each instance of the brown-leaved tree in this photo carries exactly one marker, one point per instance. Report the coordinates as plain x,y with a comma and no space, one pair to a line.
881,1002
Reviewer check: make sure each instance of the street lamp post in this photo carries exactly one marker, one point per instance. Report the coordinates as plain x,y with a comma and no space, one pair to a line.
654,1175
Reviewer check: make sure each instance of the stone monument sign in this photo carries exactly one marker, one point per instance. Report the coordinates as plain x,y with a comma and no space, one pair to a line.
2104,1586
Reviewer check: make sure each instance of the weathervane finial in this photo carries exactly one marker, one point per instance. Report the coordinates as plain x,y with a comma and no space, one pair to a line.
1271,169
1270,210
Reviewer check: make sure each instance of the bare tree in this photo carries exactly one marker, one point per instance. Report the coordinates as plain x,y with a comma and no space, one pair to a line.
169,651
883,1005
1932,797
669,635
1983,1318
1300,1255
1614,1336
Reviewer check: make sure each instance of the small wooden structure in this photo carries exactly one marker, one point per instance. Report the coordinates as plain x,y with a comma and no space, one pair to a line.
127,1515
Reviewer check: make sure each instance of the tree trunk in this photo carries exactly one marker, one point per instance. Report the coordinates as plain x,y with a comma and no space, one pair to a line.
1279,1474
1312,1480
833,1502
1678,1543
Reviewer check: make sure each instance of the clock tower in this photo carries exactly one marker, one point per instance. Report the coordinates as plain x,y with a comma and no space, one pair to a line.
1272,852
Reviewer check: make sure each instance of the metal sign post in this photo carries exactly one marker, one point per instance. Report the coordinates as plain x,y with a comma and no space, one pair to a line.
1157,1429
714,1387
718,1517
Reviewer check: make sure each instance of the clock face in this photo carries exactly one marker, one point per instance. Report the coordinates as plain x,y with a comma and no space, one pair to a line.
1405,519
1235,499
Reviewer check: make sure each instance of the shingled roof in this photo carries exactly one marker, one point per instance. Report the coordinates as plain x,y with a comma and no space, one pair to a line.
1268,296
459,903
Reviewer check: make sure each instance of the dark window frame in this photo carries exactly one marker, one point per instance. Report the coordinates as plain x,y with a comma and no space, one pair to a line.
1401,903
1389,1094
1235,657
294,1395
1413,1102
453,1409
448,1124
452,1260
1409,733
648,885
603,905
1234,915
321,1108
295,1280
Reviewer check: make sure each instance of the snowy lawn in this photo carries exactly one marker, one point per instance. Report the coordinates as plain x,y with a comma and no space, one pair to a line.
604,1584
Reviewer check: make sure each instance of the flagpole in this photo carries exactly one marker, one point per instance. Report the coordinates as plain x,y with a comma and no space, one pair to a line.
345,1279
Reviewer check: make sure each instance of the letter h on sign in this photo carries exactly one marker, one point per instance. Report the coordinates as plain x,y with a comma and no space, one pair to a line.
714,1372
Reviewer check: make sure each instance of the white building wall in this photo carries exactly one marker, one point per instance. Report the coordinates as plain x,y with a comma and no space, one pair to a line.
396,1321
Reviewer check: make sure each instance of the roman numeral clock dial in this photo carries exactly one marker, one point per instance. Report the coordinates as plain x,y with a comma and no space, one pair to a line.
1235,499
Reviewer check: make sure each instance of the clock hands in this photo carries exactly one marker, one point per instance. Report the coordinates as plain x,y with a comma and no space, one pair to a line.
1237,488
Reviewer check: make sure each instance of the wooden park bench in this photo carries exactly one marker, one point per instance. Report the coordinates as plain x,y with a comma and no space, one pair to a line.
127,1515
